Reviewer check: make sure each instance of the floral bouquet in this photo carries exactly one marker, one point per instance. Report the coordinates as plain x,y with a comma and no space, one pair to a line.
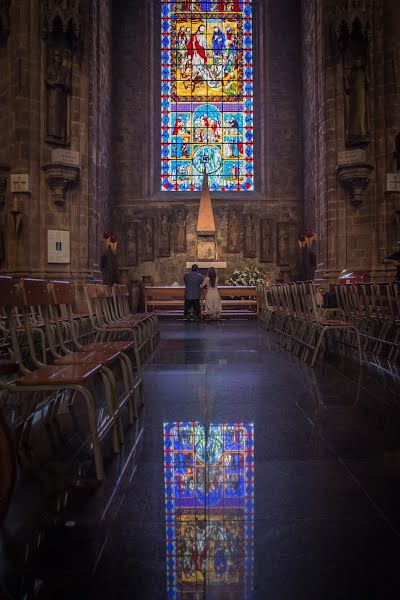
247,276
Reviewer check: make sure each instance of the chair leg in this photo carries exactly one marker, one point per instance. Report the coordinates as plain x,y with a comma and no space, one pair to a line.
98,458
321,335
112,404
359,346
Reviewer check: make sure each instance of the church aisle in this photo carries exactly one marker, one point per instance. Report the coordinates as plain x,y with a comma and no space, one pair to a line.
326,477
301,479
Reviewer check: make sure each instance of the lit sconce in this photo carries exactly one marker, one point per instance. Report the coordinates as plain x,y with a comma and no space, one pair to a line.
306,239
301,241
310,238
16,211
110,241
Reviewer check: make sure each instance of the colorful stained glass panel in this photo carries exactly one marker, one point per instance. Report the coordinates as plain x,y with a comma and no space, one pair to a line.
206,95
209,504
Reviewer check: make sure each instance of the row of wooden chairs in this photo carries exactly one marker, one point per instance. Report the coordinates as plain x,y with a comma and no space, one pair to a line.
61,357
294,313
375,309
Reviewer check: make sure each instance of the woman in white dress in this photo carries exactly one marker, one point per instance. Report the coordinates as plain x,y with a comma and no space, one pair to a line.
213,299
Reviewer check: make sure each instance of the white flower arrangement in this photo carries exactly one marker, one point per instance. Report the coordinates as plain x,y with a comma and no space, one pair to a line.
248,276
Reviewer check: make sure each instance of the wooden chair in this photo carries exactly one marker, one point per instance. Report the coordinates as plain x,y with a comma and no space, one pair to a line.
63,293
40,387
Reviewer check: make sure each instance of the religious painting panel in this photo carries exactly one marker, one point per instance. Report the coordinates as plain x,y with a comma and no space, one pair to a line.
164,235
147,239
206,248
207,95
250,237
233,244
131,244
266,240
209,503
283,243
179,231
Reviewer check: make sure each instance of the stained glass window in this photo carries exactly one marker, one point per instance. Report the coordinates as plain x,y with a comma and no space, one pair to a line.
209,504
207,95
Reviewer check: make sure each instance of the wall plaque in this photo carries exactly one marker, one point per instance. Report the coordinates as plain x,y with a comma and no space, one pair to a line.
58,247
66,157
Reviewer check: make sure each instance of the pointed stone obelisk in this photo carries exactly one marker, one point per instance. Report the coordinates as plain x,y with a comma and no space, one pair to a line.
205,221
206,239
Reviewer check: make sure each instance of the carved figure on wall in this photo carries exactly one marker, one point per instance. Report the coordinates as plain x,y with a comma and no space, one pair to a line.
356,84
131,244
249,237
233,232
163,244
283,243
180,232
58,89
266,250
148,239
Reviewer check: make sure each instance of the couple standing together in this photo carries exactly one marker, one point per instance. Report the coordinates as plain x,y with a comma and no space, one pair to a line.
194,282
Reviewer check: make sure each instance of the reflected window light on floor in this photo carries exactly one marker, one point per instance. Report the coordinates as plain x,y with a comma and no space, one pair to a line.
209,504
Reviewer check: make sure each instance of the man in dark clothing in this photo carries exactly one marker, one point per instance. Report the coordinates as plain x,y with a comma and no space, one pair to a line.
394,259
193,281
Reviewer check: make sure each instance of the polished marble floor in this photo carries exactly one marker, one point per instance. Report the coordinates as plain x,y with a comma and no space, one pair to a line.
298,496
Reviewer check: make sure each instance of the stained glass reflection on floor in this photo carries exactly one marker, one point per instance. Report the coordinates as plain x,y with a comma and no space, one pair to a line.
209,505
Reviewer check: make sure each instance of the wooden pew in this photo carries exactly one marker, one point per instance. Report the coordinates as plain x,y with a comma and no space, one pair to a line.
237,301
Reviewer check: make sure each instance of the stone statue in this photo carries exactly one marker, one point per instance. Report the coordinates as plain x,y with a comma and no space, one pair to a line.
356,84
249,237
148,239
131,244
58,89
266,251
163,243
180,231
233,232
283,240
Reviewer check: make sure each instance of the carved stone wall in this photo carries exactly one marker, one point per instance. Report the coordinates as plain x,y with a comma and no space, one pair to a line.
349,236
25,150
136,118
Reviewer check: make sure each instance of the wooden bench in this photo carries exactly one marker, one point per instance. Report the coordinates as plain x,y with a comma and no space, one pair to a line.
236,301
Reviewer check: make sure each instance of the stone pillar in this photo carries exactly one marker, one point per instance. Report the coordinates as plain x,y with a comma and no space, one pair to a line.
349,194
60,196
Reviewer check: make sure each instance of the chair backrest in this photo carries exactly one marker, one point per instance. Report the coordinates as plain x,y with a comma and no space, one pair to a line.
62,292
9,292
34,292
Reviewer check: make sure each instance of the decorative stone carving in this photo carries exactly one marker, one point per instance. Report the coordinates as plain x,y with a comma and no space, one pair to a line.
58,91
4,170
147,239
233,232
283,234
356,85
131,244
4,20
266,239
60,178
355,178
179,231
249,237
343,17
351,37
164,239
61,12
62,30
